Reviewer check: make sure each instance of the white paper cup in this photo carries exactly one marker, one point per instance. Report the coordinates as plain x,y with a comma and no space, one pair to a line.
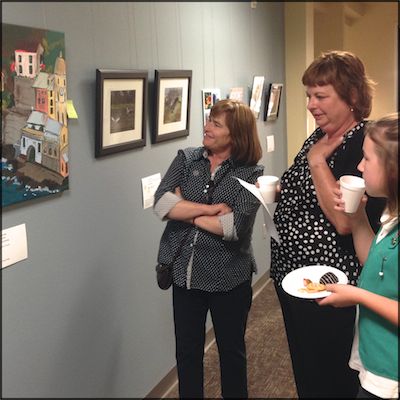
352,188
267,187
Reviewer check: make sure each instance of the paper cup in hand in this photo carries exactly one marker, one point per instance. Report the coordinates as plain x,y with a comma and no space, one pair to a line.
268,184
352,188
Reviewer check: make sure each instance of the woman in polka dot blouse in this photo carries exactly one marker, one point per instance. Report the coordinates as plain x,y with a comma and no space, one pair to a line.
313,232
213,215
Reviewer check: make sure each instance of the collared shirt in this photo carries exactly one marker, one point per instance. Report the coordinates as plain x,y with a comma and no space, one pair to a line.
207,261
307,236
373,377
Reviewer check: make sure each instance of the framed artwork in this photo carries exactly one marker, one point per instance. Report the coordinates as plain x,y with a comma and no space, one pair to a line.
172,104
256,95
274,99
121,98
209,98
34,131
237,93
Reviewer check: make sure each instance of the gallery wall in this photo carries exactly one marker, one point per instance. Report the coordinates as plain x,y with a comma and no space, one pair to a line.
82,316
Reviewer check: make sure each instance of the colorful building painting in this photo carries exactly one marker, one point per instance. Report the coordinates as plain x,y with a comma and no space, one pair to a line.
34,139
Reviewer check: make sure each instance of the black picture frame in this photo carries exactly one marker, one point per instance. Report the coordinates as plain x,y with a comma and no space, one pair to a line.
272,104
121,103
172,104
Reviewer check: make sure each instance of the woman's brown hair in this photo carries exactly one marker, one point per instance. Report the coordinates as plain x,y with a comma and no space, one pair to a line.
346,73
240,120
384,132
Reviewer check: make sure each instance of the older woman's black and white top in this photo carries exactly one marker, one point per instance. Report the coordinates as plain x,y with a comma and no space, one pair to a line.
307,237
207,261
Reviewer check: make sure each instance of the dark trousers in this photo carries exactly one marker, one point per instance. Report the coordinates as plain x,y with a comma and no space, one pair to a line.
320,340
229,311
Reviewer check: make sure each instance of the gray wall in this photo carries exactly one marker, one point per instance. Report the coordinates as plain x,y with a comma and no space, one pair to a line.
82,316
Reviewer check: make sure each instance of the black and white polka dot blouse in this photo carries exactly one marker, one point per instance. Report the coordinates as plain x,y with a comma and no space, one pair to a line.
207,261
307,237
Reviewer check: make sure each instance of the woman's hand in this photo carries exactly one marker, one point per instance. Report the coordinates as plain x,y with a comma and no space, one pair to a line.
341,296
337,198
195,210
321,150
220,209
178,191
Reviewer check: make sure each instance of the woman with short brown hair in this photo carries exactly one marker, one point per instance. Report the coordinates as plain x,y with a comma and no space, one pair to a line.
312,232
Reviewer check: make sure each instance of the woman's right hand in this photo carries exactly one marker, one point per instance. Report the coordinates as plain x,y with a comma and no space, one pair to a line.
219,209
337,198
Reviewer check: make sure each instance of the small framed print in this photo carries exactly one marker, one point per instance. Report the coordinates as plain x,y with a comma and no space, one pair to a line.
272,104
120,110
172,104
256,95
209,98
237,93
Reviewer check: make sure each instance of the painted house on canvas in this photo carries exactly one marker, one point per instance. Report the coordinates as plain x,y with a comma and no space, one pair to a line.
44,138
34,138
44,93
29,62
51,92
45,141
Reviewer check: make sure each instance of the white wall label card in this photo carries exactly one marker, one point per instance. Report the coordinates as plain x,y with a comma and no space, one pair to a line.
149,187
270,143
14,246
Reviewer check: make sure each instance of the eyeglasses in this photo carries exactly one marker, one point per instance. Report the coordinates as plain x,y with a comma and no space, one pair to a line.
209,190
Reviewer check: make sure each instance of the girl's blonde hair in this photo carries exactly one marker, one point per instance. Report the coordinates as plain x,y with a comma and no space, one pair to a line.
384,132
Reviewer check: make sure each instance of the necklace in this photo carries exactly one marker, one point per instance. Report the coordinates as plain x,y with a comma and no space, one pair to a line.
394,242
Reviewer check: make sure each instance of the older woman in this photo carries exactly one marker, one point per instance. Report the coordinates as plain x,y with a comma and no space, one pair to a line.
313,232
213,216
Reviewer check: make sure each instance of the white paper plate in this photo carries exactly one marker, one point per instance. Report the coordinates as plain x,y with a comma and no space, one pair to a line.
293,281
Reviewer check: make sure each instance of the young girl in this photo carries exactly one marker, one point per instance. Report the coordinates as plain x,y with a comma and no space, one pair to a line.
375,347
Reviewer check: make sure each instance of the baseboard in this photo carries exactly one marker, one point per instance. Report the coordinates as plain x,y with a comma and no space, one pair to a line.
168,383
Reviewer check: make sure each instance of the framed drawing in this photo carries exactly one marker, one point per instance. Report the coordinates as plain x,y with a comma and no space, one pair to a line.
120,110
209,98
172,104
34,123
256,95
272,105
237,93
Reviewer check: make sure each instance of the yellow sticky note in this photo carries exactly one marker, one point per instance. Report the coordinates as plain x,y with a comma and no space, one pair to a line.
71,110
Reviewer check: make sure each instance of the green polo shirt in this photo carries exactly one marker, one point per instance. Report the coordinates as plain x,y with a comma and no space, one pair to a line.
379,343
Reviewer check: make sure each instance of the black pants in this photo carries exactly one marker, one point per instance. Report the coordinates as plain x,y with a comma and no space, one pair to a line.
320,340
229,311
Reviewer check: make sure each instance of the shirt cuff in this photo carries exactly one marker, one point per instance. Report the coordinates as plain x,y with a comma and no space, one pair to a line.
167,201
228,227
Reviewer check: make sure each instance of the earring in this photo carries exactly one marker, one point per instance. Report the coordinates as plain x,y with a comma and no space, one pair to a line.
351,109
